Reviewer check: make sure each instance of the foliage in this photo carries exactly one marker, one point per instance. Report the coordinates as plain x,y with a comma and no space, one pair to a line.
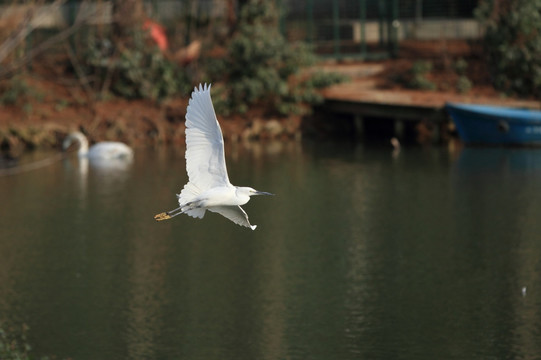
463,84
461,66
416,78
513,44
262,68
12,90
17,91
15,347
137,71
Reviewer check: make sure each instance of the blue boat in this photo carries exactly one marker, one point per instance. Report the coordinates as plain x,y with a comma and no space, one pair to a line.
494,125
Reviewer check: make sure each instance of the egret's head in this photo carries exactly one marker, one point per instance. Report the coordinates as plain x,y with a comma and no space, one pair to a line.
251,192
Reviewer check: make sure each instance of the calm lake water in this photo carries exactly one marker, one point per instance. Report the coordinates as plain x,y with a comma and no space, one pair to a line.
362,254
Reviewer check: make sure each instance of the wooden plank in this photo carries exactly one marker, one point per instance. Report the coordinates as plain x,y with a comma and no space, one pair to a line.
393,111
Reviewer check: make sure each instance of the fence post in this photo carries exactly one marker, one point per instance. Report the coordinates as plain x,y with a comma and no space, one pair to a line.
310,22
336,29
155,10
281,17
362,8
381,11
393,29
72,10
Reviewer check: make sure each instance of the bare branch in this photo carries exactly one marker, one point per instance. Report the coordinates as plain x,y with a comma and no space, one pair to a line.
82,17
32,19
80,74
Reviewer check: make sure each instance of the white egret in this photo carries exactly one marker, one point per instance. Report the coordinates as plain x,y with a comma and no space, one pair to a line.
105,150
208,187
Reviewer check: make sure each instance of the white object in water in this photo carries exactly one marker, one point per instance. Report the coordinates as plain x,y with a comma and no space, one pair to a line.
208,187
105,150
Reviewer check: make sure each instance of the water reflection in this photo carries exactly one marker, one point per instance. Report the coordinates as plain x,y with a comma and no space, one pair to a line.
500,160
506,182
117,167
359,255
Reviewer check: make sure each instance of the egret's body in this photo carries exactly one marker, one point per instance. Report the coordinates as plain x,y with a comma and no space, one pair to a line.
208,187
106,150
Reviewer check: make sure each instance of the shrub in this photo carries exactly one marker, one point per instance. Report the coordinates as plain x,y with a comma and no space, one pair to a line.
461,66
463,83
17,91
137,71
15,346
262,68
417,76
513,44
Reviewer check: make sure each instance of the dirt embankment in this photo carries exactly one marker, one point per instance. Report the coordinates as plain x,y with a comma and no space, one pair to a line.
53,109
55,103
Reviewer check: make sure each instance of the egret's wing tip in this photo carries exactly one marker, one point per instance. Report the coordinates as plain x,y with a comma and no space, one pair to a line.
202,88
253,227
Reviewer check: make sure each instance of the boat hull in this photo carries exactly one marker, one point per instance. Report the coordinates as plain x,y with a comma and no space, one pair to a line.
492,125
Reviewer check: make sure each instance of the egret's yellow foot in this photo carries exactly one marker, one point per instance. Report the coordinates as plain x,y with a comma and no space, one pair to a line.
162,216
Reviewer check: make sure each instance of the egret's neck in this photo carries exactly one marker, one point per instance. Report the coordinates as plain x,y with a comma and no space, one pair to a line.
242,194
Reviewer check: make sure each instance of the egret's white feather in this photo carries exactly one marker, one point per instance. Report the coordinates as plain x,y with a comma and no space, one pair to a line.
189,192
205,159
235,214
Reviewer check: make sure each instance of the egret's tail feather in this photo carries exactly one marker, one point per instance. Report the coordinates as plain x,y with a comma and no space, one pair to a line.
186,196
196,213
189,208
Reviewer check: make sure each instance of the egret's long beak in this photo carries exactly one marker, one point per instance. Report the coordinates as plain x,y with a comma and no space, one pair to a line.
262,193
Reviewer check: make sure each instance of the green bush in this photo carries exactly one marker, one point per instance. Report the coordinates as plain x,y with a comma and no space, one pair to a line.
138,71
513,44
262,68
461,66
417,76
17,91
15,346
463,83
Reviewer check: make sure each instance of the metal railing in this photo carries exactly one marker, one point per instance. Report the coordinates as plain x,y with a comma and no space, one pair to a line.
335,28
340,28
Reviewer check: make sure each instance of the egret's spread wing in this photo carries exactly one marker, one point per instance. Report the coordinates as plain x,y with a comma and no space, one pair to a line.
235,214
205,160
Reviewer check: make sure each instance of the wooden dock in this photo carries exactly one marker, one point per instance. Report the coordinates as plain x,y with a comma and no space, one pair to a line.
398,113
362,99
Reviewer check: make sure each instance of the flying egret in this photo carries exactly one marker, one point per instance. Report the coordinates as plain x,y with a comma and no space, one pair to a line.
105,150
208,187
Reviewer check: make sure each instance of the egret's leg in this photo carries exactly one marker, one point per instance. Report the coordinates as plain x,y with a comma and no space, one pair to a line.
161,216
172,213
168,214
